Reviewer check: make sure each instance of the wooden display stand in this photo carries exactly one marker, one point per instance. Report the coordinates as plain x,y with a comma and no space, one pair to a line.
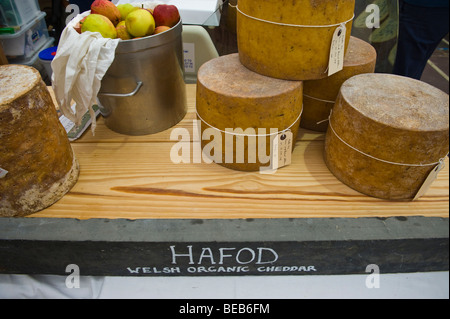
3,59
135,212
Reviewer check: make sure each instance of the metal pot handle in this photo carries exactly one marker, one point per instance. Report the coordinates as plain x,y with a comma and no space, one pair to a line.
139,84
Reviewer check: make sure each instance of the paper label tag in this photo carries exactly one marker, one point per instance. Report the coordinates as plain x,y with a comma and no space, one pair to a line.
282,149
337,51
73,131
3,172
68,124
189,57
430,179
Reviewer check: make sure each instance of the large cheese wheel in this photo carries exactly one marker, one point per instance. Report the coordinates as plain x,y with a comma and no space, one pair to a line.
386,134
290,39
230,97
34,148
320,95
231,15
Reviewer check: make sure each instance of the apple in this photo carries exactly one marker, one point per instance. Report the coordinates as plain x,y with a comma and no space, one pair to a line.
99,23
107,9
77,27
161,29
140,23
125,9
167,15
122,32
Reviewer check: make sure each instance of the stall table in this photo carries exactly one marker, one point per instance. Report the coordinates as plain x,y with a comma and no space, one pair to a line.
134,212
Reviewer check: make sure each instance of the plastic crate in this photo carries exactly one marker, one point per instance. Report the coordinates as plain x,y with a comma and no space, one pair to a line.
16,13
27,41
31,60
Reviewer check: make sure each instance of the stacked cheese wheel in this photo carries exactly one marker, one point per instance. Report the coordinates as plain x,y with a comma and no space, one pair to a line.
385,134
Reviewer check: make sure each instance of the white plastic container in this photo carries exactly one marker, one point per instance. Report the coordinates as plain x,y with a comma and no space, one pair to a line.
27,41
34,59
14,13
46,57
36,63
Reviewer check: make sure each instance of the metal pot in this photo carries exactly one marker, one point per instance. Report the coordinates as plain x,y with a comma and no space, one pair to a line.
143,91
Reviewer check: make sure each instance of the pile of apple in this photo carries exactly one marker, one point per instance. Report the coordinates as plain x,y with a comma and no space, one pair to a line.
126,21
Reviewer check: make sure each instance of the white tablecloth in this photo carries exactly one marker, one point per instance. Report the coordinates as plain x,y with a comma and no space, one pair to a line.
391,286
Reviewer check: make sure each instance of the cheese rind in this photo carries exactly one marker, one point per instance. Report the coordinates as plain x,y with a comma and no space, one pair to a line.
320,95
299,52
385,134
34,147
230,97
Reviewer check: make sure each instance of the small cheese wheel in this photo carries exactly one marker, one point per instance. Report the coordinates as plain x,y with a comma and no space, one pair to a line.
34,148
320,95
233,99
386,134
289,39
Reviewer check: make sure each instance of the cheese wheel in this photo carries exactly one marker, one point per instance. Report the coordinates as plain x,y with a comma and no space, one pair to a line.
34,148
320,95
386,134
234,103
290,39
231,16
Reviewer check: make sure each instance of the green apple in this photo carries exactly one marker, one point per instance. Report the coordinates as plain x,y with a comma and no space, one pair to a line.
125,9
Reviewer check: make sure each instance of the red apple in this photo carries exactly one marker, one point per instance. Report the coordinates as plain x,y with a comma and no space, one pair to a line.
161,29
77,27
166,15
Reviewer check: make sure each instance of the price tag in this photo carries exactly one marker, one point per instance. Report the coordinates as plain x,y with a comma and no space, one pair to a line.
189,57
3,172
282,149
337,52
430,179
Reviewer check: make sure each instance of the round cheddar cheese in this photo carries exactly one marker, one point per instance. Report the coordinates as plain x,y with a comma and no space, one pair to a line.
240,108
290,39
320,95
34,149
386,134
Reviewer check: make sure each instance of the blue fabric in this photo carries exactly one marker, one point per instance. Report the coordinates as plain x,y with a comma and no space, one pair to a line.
429,3
420,32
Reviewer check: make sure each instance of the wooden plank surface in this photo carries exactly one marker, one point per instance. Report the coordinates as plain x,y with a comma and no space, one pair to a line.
134,178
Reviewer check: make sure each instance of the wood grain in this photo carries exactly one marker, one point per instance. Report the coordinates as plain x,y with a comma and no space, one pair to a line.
134,178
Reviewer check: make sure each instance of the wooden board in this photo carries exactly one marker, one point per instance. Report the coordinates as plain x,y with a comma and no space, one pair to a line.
134,178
